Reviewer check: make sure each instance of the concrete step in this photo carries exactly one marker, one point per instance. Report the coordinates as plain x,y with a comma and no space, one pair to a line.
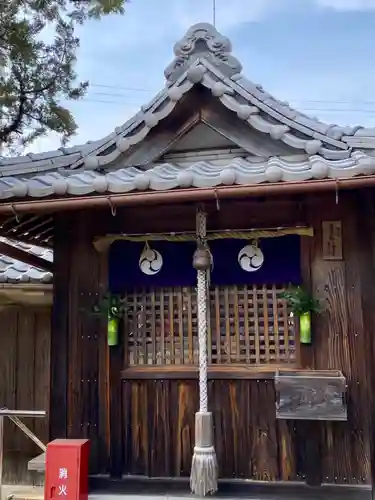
25,496
14,492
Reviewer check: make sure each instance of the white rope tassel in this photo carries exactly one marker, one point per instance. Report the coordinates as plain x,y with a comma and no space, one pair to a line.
203,478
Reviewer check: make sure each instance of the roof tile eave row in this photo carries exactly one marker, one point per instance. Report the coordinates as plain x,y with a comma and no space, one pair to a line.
32,276
238,171
13,271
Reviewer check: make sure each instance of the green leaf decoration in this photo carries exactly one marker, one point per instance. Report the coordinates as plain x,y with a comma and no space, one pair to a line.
300,301
109,306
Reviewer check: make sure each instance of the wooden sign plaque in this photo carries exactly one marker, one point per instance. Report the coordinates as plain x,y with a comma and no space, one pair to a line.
332,240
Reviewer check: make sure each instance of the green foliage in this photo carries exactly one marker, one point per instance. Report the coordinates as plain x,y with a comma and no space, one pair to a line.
38,46
110,305
300,301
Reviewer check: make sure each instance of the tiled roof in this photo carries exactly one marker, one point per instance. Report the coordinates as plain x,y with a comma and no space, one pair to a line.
200,174
218,70
15,271
34,163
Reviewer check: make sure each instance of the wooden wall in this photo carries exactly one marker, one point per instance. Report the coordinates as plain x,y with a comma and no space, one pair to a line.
146,426
24,383
158,434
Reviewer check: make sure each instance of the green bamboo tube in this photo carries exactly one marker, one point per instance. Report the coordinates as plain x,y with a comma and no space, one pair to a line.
305,328
112,331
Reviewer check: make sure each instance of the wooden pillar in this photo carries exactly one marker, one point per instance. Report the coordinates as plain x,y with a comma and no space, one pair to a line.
79,357
112,385
59,330
306,350
365,235
116,357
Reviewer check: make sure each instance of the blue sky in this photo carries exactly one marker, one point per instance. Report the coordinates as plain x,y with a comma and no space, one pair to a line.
316,54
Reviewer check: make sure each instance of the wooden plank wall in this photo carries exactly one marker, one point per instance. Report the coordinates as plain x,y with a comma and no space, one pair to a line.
343,342
24,383
147,426
158,433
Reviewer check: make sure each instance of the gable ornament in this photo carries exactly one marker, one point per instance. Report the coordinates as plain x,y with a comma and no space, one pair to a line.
202,41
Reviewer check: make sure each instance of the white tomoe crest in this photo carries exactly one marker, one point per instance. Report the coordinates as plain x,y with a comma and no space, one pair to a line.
250,258
150,261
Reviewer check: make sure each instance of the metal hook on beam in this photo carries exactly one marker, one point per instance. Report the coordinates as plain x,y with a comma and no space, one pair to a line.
217,200
112,207
15,213
337,192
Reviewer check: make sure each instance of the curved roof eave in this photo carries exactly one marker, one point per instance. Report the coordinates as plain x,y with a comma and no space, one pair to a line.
201,174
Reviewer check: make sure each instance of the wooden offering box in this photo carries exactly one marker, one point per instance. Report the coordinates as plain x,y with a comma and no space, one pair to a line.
311,395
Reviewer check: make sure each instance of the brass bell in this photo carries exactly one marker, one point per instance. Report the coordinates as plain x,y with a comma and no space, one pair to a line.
202,259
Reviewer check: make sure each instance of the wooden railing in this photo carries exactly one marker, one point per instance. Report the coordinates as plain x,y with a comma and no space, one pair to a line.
14,415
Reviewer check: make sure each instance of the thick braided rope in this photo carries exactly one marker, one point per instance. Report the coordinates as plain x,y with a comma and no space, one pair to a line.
202,317
202,326
103,243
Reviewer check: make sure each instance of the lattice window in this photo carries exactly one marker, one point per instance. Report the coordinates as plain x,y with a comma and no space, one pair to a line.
246,325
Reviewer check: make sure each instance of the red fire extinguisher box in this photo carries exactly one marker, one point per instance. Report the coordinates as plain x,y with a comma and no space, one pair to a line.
67,469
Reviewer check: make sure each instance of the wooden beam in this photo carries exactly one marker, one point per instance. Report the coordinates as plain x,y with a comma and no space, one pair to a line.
26,257
152,148
13,235
227,124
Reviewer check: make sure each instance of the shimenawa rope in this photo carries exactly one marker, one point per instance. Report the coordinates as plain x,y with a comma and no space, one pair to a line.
103,242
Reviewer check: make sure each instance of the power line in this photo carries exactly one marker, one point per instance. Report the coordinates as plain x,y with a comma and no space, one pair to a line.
340,110
312,101
135,103
131,89
107,102
300,101
327,101
325,104
111,94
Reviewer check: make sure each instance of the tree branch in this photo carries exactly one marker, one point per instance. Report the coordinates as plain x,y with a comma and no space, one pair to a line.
14,125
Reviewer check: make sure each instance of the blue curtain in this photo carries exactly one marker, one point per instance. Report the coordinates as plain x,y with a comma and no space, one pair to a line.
281,264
